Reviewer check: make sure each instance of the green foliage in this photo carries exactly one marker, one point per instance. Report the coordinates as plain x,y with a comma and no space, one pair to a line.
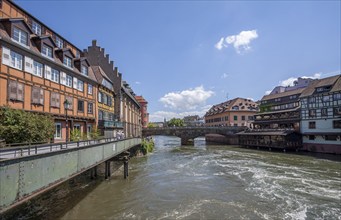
76,135
176,122
18,126
147,146
265,108
151,125
95,133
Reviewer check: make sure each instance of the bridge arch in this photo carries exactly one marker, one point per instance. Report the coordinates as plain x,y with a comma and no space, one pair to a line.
187,133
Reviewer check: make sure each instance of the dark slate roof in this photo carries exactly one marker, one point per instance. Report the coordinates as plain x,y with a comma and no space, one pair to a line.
333,81
100,74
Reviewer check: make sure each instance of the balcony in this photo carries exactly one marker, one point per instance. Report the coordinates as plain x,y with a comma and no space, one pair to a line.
110,124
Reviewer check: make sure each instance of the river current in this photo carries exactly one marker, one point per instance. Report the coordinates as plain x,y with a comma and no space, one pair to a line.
217,182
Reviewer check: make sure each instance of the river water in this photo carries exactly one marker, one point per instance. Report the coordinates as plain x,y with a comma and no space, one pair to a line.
217,182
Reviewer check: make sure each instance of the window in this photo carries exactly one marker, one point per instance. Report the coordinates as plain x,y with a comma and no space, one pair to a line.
77,127
312,125
331,137
36,28
278,100
80,85
84,70
46,51
90,108
16,60
311,137
67,61
99,97
235,117
55,100
59,42
326,98
37,96
100,115
337,111
337,124
90,89
70,101
337,96
105,99
20,36
80,105
250,117
68,81
324,112
243,118
58,132
55,75
78,54
311,100
312,113
15,90
109,101
37,69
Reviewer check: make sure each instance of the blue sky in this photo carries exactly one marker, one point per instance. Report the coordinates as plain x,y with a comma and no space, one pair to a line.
184,56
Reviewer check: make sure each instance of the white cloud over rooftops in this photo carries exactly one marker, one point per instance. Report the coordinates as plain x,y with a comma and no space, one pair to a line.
187,99
290,81
241,42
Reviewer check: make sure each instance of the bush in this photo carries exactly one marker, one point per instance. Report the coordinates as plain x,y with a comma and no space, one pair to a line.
147,146
75,135
18,126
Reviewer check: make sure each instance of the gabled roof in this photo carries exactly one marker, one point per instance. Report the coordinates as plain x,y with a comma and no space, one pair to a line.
17,20
65,50
333,81
82,59
45,37
241,104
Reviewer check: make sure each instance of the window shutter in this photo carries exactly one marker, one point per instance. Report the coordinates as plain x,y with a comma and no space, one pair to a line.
12,88
53,99
75,82
20,87
41,97
57,100
47,72
6,54
63,78
35,95
28,64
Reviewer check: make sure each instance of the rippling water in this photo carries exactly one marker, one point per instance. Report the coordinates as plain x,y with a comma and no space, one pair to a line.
217,182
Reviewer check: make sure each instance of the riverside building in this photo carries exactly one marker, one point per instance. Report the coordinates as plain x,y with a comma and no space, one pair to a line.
40,70
235,112
144,111
321,115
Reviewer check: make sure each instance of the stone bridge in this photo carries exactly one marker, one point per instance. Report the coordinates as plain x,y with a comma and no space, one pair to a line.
189,133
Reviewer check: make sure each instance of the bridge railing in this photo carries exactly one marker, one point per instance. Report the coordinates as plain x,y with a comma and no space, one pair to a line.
23,177
22,151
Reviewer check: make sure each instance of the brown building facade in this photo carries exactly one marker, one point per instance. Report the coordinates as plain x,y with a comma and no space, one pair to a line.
144,110
40,70
235,112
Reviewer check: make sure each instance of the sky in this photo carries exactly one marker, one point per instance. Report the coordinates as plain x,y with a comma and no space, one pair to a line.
185,56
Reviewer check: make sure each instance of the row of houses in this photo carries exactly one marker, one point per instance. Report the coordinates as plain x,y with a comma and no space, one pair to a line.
42,72
306,115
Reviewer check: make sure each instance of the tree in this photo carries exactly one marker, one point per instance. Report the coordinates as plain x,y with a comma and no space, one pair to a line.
151,125
18,126
175,122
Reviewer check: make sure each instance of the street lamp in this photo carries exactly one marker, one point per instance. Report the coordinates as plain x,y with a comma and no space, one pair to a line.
66,107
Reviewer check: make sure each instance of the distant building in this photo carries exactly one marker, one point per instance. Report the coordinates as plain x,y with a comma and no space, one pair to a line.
144,111
298,84
193,121
321,115
235,112
130,112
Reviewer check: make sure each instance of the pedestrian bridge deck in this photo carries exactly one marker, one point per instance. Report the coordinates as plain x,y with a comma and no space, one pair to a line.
28,171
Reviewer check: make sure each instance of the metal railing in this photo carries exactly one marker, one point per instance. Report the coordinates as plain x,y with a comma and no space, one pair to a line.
27,150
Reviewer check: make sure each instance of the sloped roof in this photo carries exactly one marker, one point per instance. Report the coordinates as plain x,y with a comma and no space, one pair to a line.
283,94
333,81
241,103
100,74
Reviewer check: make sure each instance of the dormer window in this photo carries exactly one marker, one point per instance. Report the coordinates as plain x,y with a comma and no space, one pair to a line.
47,51
36,28
84,70
20,36
67,61
59,42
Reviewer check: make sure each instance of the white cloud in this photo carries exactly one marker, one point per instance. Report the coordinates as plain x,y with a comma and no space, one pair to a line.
186,100
224,76
159,116
220,44
290,81
137,83
267,92
241,42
